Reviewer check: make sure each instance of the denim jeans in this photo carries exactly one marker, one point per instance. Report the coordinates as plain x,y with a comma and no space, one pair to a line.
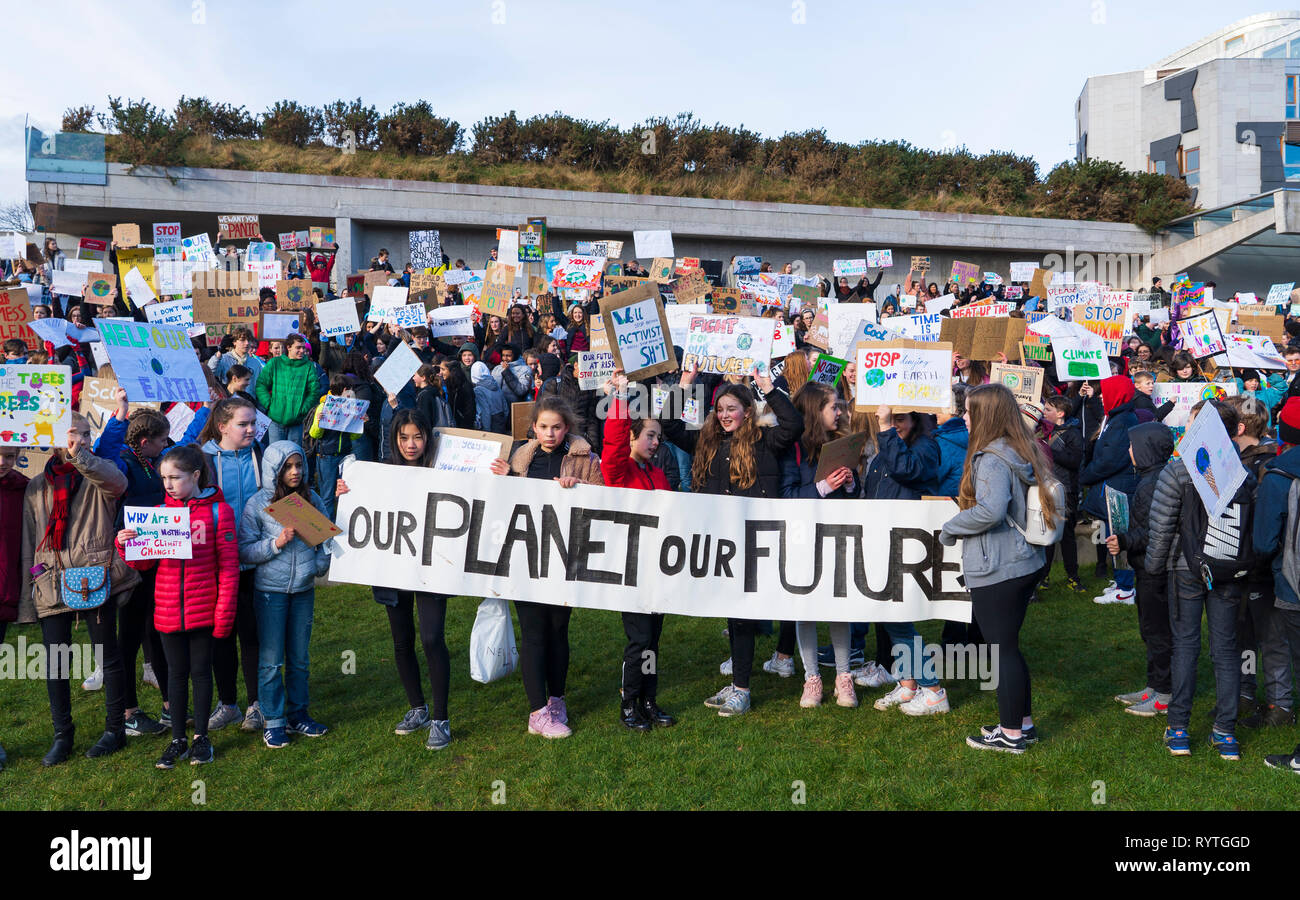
1188,596
327,475
277,432
909,661
283,634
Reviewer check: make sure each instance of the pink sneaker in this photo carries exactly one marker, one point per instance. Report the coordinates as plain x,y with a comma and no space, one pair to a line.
845,695
812,692
559,712
543,723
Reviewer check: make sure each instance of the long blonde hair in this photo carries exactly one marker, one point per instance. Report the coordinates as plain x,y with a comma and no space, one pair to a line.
995,414
743,470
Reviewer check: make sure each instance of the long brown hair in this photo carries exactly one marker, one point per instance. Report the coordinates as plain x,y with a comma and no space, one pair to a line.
797,368
743,471
994,413
222,412
810,401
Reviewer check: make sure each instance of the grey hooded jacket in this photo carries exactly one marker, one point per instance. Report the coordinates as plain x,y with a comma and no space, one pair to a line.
294,567
992,550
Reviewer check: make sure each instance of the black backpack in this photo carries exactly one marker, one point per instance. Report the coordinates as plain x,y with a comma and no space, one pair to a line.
1220,547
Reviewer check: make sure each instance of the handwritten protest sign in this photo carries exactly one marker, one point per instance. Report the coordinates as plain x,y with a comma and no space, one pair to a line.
412,315
920,264
747,265
1280,294
691,287
1023,271
173,312
92,248
162,532
99,287
1080,354
1107,322
451,321
880,259
906,376
918,326
647,535
293,511
154,362
728,345
1185,395
848,267
126,235
827,369
640,338
594,369
338,413
1026,382
426,249
294,293
982,310
137,288
15,318
338,318
1253,351
465,450
494,298
1201,335
1213,464
237,228
964,273
35,405
1116,511
579,272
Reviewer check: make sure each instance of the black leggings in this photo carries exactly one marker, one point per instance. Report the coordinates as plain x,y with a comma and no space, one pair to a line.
785,639
189,658
999,611
740,634
225,656
101,628
544,650
641,655
135,631
401,606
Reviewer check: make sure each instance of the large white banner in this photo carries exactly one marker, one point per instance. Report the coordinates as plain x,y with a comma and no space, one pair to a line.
648,551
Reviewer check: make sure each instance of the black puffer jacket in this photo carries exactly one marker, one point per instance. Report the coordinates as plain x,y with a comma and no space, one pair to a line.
1163,550
1152,445
773,443
1067,448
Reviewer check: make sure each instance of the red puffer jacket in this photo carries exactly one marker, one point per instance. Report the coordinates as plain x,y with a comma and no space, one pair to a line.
201,592
616,463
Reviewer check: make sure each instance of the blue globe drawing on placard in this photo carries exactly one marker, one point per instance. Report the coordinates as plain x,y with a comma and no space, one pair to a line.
744,341
156,366
874,377
1202,460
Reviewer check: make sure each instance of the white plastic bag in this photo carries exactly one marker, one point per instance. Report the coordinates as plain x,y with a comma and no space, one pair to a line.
492,651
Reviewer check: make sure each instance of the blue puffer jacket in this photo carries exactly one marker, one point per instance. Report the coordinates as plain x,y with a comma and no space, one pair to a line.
288,569
900,471
1271,520
952,438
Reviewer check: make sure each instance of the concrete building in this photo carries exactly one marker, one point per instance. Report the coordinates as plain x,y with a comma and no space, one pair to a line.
1222,113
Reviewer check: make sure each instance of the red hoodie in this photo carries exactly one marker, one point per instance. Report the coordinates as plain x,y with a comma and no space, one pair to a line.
615,455
201,592
1115,390
12,487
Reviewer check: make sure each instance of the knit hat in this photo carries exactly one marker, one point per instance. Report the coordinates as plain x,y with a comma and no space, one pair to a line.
1033,414
550,365
1115,390
1288,422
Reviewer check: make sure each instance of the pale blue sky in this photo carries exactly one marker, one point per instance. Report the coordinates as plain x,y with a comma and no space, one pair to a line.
991,75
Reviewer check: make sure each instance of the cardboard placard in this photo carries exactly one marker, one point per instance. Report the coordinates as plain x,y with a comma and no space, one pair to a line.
371,280
356,285
1026,382
637,330
661,269
691,287
126,235
237,228
906,376
805,294
819,333
498,285
997,335
100,288
466,450
521,420
845,451
597,336
1039,283
960,333
615,284
1265,321
730,301
294,294
292,511
920,263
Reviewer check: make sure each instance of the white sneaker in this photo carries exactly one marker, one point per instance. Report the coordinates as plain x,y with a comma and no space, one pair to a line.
778,666
149,677
926,702
95,682
1108,596
872,675
895,697
725,668
1124,597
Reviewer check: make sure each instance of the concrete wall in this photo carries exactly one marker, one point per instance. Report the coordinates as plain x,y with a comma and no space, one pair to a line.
1110,112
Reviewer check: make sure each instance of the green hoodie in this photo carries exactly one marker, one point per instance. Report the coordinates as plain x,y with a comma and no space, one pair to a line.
287,388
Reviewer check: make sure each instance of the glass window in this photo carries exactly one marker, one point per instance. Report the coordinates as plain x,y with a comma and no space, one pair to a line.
1234,44
1274,52
1295,49
1191,162
1291,96
1291,161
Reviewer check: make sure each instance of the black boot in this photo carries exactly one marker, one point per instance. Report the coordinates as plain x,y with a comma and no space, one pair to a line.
652,713
630,715
62,748
109,742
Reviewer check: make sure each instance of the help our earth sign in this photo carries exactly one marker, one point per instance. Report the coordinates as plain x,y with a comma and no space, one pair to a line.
154,362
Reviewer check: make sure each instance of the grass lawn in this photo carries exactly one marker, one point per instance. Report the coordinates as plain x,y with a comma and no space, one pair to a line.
1080,655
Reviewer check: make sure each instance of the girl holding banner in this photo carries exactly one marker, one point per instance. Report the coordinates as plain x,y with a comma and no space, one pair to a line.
412,443
544,652
626,460
816,403
1001,568
734,455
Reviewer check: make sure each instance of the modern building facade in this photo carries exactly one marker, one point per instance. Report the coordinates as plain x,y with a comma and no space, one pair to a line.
1222,113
